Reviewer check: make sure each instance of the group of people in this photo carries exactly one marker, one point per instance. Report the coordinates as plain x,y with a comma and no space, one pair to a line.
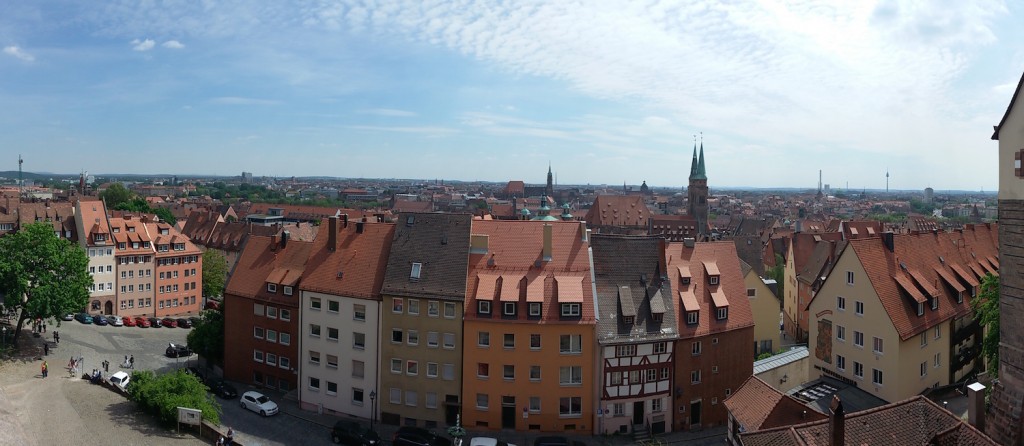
74,365
227,439
129,362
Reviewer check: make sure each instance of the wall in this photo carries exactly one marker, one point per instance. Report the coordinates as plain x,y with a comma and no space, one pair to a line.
795,373
765,308
715,387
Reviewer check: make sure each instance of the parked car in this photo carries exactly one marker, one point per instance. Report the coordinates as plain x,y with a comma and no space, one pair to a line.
154,322
488,441
120,379
184,322
259,403
221,388
554,440
99,320
195,320
142,322
194,371
127,321
114,321
68,317
351,433
83,318
212,305
168,322
418,436
177,350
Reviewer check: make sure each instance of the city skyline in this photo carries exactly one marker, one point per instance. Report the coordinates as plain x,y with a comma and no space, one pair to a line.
603,92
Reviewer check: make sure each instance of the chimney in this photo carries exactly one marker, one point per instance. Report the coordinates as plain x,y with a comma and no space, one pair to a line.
976,405
584,232
284,239
332,233
889,241
799,226
836,422
273,242
359,227
547,242
689,242
344,220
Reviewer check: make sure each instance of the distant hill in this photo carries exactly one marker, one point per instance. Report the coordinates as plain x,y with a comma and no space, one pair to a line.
13,174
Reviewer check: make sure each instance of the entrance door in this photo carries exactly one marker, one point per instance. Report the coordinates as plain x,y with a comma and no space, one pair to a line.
694,414
110,307
451,409
508,412
638,413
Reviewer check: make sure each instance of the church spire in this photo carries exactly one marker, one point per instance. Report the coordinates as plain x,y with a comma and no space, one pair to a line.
700,173
693,165
549,188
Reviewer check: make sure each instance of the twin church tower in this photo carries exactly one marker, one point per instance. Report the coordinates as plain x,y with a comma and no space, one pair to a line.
697,191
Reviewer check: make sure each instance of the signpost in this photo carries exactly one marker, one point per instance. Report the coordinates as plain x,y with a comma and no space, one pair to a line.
190,416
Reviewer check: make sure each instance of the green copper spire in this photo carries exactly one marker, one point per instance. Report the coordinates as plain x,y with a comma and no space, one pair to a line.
693,165
700,174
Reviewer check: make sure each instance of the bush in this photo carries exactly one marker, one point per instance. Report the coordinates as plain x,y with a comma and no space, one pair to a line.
162,395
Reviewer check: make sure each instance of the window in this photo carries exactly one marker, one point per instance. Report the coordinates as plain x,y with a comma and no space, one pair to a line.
271,359
509,340
691,317
534,405
858,338
358,368
924,369
935,303
271,287
258,309
634,376
483,370
314,303
413,337
357,396
431,370
570,344
840,362
396,305
651,375
314,383
878,346
619,410
722,313
920,309
859,308
938,332
508,372
431,400
432,308
534,342
449,310
570,310
314,330
924,339
876,377
570,406
396,365
840,302
628,320
483,306
713,280
414,306
508,308
449,341
359,341
287,291
332,334
417,268
481,401
432,339
397,336
314,357
660,347
695,377
695,348
534,373
625,350
333,306
359,312
410,398
616,378
286,339
257,356
858,369
395,396
412,368
534,309
257,332
656,405
849,277
271,335
286,315
840,332
332,361
938,360
570,375
448,372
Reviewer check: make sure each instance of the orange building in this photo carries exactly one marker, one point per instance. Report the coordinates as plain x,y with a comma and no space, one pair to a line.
179,272
133,249
530,352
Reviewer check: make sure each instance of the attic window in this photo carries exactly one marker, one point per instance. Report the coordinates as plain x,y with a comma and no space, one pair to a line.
287,291
628,320
685,280
691,318
410,220
271,287
657,317
713,280
414,275
722,313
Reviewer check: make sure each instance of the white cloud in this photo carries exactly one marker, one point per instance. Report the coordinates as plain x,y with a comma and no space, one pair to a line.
173,44
19,53
390,112
143,45
235,100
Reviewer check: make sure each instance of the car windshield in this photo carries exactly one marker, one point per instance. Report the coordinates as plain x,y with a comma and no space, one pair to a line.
262,399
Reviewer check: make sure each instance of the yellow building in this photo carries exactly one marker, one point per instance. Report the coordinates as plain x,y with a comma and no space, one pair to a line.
766,309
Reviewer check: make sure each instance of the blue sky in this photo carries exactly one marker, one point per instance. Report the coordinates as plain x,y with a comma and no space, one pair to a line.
606,91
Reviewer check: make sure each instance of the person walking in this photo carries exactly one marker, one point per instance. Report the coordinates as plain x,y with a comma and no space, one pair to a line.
46,349
45,369
131,362
230,436
56,337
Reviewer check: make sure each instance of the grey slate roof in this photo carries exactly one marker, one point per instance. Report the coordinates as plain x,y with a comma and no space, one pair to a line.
780,360
440,242
628,273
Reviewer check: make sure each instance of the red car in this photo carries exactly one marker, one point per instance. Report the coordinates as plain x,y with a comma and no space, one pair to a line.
128,321
142,322
168,322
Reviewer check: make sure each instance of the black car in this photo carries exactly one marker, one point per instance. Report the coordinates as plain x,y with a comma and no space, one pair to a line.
184,323
154,322
177,351
221,388
418,436
194,320
194,371
554,440
351,433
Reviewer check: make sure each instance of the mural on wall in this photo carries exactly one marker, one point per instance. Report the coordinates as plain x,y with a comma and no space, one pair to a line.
823,348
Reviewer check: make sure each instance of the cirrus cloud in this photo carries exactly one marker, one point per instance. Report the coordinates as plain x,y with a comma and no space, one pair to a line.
143,45
16,51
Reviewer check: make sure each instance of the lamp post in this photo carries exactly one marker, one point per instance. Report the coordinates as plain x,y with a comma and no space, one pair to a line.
373,407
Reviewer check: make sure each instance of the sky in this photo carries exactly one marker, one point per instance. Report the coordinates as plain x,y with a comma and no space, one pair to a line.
605,92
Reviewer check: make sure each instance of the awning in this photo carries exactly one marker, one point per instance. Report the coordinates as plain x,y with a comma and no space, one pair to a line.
485,286
535,289
924,284
657,303
718,298
689,300
909,287
570,288
712,268
510,287
626,301
968,277
948,277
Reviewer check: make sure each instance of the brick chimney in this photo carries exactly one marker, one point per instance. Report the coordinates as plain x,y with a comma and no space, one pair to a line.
332,233
836,422
976,405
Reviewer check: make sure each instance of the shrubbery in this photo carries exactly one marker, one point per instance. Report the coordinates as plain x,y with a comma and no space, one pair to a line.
162,395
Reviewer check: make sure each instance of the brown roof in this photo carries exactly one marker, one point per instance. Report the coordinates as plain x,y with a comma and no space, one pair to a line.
618,210
440,244
356,264
731,288
1009,108
260,259
757,405
629,271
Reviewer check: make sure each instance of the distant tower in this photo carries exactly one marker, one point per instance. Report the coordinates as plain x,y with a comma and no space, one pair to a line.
886,180
819,185
929,195
550,189
697,192
21,179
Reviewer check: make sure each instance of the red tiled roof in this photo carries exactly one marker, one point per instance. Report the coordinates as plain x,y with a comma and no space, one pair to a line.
356,265
952,281
486,286
618,210
731,289
570,288
689,300
971,279
757,405
261,257
510,287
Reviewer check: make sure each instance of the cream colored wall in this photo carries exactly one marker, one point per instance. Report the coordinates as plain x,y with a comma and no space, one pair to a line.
790,294
765,307
1011,139
912,354
794,374
874,322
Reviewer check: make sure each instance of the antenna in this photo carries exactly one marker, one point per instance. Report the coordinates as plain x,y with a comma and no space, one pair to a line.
887,180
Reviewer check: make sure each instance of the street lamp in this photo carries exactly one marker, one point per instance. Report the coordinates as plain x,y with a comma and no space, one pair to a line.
373,407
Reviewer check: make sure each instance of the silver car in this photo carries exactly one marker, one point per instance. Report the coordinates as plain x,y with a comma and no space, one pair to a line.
114,321
259,403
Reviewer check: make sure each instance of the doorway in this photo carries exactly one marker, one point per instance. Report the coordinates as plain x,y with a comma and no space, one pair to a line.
109,307
694,414
638,413
451,409
508,412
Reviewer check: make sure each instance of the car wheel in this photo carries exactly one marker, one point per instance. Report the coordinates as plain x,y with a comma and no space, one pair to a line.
263,413
242,404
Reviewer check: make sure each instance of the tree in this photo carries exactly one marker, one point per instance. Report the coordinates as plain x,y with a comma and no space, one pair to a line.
161,395
778,273
165,215
986,311
41,275
115,195
207,336
214,271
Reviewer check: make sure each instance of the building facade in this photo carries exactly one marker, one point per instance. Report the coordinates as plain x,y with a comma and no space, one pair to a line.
95,238
179,272
765,308
136,266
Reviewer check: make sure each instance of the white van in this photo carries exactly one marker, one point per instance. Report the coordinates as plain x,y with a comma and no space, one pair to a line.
120,379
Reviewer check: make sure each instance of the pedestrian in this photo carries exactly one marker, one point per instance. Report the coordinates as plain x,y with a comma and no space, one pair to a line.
131,362
45,369
106,366
230,437
56,337
46,349
44,327
125,361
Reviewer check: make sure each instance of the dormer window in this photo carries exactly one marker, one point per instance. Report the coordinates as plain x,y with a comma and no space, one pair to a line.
920,308
287,291
657,317
960,297
483,307
508,308
628,320
571,310
122,245
135,245
935,303
271,287
685,280
535,308
691,318
713,280
414,274
722,313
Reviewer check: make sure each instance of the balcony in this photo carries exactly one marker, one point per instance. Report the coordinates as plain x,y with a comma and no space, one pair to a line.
966,356
966,331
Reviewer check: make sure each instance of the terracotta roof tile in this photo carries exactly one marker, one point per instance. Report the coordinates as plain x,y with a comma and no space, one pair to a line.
356,265
731,287
260,258
757,405
618,210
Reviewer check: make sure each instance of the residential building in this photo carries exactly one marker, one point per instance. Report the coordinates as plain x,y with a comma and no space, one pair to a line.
637,335
95,238
1007,421
135,265
809,260
261,313
766,310
894,318
528,348
756,405
424,292
618,214
340,317
715,325
179,272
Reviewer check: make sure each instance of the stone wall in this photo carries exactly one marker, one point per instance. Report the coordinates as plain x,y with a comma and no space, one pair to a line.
1004,423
